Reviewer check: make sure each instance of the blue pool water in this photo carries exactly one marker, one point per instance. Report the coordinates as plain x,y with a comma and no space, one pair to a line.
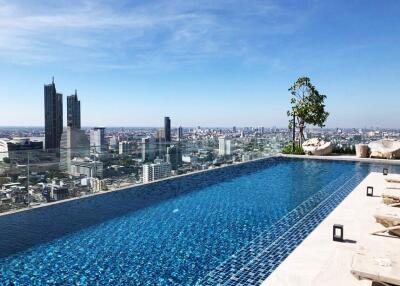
177,232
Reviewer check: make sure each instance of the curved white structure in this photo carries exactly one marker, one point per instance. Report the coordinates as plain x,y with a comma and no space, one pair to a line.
385,148
316,146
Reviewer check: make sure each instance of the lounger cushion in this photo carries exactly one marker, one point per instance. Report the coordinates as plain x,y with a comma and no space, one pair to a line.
393,178
379,267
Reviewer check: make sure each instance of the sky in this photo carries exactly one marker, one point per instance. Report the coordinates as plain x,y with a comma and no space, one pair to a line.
203,63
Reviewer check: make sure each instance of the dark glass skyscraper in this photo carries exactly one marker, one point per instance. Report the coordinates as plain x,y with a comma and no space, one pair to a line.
73,111
167,129
53,116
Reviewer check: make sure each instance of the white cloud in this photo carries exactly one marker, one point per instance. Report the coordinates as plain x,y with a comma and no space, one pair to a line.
119,34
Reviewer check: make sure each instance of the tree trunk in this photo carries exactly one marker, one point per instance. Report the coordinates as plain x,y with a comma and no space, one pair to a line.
301,133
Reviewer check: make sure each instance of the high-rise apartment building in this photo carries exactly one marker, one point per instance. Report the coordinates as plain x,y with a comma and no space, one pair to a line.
224,146
53,116
167,129
73,111
74,144
148,149
98,144
156,171
125,147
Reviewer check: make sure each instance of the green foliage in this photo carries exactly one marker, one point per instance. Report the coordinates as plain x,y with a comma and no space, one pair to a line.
288,149
346,150
6,160
4,180
307,105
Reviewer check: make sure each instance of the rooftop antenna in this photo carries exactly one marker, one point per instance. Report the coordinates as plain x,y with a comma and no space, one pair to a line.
53,79
75,92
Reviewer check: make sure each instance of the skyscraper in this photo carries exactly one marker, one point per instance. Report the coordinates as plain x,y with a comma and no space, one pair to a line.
73,111
148,149
53,116
98,140
224,146
167,129
74,144
180,133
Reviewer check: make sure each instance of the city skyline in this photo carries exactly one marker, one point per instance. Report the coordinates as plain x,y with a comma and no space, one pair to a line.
223,65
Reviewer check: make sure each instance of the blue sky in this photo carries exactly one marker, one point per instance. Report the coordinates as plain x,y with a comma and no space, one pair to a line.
207,63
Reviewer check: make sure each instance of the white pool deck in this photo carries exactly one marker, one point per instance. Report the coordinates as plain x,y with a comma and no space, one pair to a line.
318,260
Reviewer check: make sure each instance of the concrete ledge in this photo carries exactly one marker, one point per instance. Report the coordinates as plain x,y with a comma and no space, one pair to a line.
344,158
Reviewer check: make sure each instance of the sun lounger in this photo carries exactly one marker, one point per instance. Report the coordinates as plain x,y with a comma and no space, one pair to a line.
378,266
393,178
391,196
389,217
385,148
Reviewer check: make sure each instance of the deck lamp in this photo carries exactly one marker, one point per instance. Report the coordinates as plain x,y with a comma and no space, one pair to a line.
385,171
370,191
338,232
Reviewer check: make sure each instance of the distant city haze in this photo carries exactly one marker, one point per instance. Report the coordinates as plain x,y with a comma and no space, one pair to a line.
207,63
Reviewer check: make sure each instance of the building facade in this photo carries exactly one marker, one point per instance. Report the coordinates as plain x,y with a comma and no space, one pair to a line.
167,129
180,133
125,147
224,145
174,156
53,116
73,111
16,149
98,143
87,168
156,171
148,149
74,144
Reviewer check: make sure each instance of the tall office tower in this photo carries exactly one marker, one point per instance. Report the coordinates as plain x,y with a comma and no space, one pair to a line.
167,129
156,171
73,111
148,149
74,144
234,129
53,116
224,146
174,156
98,144
180,133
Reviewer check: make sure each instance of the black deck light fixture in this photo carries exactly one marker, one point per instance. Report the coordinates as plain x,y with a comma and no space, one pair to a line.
338,232
370,191
385,171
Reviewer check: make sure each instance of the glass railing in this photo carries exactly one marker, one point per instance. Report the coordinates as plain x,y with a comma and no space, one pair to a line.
33,177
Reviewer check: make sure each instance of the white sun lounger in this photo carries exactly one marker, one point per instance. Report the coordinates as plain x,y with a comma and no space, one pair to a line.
378,266
391,196
392,178
391,185
389,217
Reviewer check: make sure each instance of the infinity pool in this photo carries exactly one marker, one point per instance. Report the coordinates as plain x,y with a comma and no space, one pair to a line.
182,231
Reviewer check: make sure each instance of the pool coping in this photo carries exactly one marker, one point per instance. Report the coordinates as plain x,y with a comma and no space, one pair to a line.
279,155
350,158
